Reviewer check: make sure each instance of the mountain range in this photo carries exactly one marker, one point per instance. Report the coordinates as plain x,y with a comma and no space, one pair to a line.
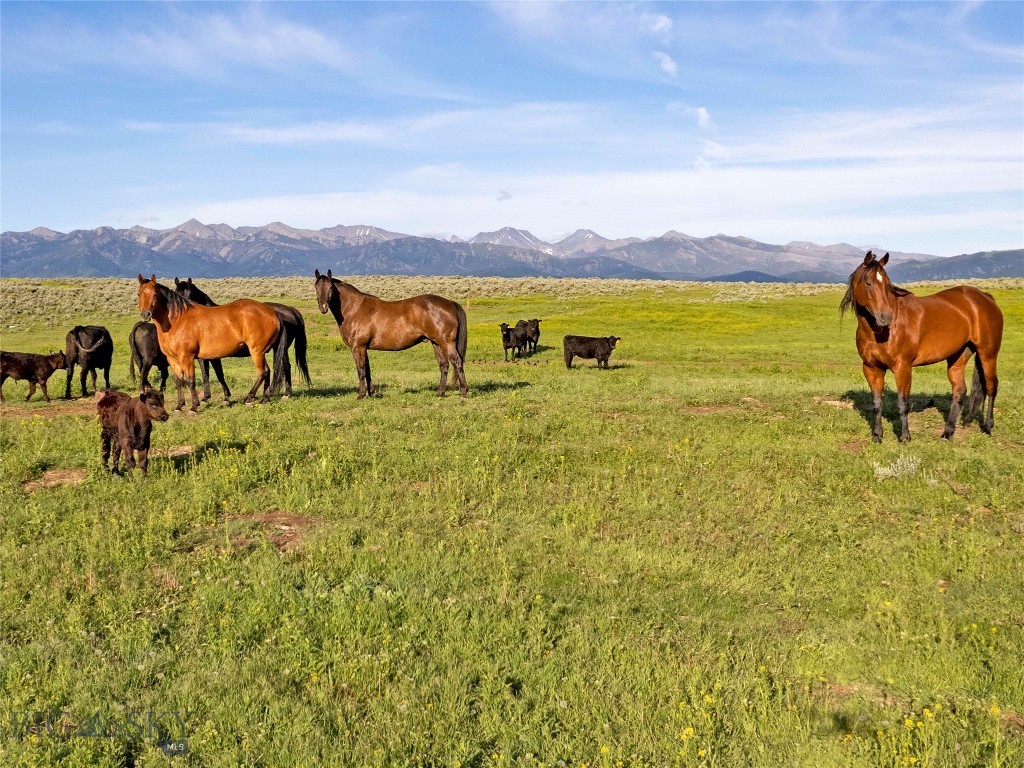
218,250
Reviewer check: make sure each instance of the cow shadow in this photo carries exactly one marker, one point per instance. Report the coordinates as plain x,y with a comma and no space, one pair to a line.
182,461
332,391
864,404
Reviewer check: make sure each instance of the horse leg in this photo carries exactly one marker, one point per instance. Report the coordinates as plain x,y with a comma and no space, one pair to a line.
955,373
190,369
218,369
362,370
903,374
876,382
369,376
442,365
287,376
988,369
460,373
204,366
260,362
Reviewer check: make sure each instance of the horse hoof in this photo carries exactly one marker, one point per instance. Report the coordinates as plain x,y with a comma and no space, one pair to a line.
191,412
286,397
228,403
250,404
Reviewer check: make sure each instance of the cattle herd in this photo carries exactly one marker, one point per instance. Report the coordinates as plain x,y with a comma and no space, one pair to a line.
896,331
126,422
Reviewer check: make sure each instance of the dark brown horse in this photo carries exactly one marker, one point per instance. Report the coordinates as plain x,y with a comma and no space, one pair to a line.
898,331
292,325
367,322
188,331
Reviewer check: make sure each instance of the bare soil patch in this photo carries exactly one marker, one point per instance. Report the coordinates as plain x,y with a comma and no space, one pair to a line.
283,529
846,404
53,477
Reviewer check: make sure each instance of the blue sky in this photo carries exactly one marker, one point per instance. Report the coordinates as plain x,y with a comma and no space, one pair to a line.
899,125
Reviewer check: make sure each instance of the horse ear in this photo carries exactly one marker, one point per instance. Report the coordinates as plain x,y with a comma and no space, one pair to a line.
316,273
882,261
142,280
190,281
152,278
177,282
869,258
329,275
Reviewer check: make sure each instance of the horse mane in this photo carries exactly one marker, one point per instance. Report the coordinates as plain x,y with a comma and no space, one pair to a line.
200,296
176,303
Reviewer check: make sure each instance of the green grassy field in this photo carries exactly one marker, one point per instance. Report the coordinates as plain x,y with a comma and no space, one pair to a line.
695,558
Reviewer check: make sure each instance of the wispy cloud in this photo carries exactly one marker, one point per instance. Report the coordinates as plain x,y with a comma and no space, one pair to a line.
668,66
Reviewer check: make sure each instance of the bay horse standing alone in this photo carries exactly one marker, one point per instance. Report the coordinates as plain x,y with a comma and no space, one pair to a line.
367,322
188,331
898,331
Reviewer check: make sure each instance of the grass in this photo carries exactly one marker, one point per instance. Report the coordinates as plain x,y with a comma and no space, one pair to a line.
695,558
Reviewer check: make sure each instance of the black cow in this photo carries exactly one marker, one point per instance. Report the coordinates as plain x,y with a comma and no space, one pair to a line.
25,366
532,329
514,339
90,347
588,348
145,351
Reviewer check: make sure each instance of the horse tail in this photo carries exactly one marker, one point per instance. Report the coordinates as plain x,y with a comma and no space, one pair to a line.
300,347
461,333
280,356
977,396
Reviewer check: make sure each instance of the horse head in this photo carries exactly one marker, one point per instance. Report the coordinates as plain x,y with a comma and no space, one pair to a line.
871,290
149,296
326,290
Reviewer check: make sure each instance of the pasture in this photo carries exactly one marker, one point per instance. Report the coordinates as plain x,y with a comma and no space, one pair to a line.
694,558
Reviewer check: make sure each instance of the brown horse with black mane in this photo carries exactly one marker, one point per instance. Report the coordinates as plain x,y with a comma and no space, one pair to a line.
367,322
188,331
898,331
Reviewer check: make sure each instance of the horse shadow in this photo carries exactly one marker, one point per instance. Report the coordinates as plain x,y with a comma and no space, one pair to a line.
498,386
482,388
864,404
332,391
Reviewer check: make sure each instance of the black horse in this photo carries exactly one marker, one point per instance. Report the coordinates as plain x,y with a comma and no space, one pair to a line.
145,351
292,324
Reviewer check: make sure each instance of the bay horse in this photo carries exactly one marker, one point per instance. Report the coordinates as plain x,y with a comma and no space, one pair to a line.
188,331
899,331
368,322
292,324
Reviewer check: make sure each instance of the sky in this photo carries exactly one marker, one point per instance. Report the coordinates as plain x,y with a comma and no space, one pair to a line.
895,125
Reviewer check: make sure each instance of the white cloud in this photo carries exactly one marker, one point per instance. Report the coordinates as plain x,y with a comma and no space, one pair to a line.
704,119
667,64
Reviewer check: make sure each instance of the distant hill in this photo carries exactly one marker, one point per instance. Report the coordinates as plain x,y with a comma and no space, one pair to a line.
218,250
984,264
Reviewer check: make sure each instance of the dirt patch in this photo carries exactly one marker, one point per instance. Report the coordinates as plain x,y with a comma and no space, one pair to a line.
845,404
53,477
710,410
283,529
854,446
172,452
44,410
1012,721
